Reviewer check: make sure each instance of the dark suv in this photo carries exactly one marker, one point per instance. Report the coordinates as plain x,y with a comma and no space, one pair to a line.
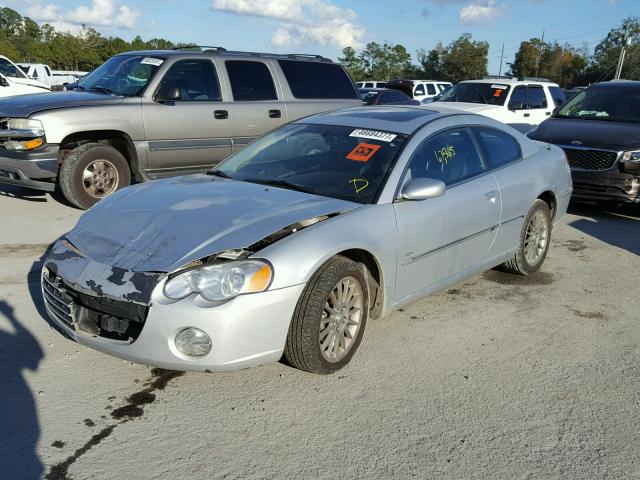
599,130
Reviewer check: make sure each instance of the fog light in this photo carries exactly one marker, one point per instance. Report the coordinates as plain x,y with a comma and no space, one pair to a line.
193,342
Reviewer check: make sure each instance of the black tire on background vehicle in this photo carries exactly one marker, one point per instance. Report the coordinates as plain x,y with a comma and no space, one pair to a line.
91,172
534,241
330,318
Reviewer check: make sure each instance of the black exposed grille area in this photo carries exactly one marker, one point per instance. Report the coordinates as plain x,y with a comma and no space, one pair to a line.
100,316
590,159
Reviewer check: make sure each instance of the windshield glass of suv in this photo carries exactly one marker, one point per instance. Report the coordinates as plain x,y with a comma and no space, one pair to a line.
10,70
333,161
125,75
612,104
476,92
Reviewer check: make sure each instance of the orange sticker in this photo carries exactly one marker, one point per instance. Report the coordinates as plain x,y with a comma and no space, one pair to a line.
363,152
497,93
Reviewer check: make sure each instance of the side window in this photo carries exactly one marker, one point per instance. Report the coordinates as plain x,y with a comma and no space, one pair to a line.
450,156
368,85
381,84
431,89
35,73
250,81
196,80
46,69
419,90
558,96
518,99
498,148
310,79
537,98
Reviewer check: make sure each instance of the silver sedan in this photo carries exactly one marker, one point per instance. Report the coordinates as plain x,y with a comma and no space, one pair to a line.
292,244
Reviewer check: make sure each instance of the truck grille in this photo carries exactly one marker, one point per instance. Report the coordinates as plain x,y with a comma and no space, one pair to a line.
586,159
97,316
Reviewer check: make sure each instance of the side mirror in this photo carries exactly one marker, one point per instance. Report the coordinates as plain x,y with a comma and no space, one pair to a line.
556,110
516,106
4,82
167,93
423,188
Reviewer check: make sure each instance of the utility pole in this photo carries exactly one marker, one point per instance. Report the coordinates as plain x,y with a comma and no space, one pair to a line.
539,54
626,41
501,57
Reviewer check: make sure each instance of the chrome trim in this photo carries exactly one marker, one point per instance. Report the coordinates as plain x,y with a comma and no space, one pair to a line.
242,141
23,133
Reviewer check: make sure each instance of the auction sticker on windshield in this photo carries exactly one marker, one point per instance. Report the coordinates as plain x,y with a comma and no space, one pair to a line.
373,135
363,152
152,61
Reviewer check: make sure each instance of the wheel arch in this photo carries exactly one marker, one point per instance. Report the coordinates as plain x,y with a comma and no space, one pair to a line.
375,277
115,138
549,198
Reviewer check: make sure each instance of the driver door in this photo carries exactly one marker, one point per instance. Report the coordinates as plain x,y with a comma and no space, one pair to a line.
441,238
192,133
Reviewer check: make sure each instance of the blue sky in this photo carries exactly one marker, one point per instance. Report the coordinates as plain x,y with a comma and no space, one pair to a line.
325,26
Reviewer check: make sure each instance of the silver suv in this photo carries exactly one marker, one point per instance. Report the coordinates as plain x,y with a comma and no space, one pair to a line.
152,114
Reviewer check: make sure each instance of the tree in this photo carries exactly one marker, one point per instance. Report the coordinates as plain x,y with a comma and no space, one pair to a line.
563,64
607,52
377,62
430,63
352,62
464,59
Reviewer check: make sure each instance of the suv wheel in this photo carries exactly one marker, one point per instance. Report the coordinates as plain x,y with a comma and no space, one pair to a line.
91,172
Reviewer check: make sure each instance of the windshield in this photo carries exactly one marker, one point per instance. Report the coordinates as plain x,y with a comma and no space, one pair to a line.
333,161
8,69
476,92
614,105
124,75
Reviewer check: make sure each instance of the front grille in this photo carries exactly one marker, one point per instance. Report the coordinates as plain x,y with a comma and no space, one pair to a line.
59,303
97,316
586,159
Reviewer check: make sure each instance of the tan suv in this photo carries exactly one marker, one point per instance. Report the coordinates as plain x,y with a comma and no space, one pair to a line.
152,114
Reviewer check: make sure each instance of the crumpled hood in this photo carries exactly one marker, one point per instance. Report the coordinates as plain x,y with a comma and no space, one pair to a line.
163,225
23,106
480,108
590,133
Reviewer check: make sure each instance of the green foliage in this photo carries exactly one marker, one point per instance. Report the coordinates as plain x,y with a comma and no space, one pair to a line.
464,59
377,62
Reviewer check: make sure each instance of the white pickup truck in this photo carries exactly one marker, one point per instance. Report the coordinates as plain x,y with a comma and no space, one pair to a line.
13,81
54,79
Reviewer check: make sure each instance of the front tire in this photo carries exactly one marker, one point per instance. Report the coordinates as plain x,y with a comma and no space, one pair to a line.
534,241
91,172
330,318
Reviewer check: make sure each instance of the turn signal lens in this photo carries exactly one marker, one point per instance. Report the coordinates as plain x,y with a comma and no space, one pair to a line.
24,145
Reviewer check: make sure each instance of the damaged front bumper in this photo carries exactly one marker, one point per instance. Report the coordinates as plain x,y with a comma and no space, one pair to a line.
125,314
34,169
614,186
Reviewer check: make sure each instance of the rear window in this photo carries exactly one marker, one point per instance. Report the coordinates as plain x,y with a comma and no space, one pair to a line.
317,80
250,81
558,96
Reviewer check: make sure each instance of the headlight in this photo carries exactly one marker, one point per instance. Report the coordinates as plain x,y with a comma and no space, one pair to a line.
633,157
24,124
222,281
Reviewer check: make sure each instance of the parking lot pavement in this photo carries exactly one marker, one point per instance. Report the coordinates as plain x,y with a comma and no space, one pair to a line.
499,377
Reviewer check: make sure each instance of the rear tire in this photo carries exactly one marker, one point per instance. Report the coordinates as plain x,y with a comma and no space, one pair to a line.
534,241
91,172
330,318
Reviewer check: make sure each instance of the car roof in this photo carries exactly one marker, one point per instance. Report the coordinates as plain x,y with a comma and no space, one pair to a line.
221,52
404,119
626,84
512,81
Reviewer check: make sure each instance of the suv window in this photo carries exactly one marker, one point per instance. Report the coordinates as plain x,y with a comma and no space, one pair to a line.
369,85
498,148
450,156
317,80
431,89
196,80
46,69
536,96
250,81
419,90
518,99
394,97
558,96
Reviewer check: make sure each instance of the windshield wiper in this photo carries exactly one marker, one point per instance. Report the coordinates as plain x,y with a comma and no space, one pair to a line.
218,173
102,89
273,182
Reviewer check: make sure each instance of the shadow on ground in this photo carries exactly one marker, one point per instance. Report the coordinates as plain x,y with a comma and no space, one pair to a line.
19,428
617,226
30,195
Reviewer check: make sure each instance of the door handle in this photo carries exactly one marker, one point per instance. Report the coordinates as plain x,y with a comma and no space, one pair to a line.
221,114
492,195
275,114
547,113
526,115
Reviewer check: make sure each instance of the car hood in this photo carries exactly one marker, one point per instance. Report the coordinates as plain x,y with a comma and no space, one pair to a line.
23,106
163,225
30,82
480,108
589,133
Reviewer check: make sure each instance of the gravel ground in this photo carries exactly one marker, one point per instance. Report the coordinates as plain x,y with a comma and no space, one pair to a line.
499,377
